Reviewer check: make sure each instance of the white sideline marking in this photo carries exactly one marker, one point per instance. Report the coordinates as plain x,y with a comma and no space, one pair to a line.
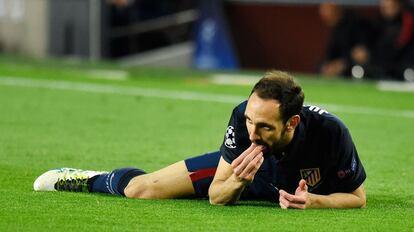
181,95
396,86
366,110
121,90
233,79
108,74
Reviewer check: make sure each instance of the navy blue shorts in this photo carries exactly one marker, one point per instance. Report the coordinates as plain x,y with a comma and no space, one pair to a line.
203,168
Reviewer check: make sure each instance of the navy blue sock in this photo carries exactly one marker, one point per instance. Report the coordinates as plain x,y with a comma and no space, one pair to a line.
113,182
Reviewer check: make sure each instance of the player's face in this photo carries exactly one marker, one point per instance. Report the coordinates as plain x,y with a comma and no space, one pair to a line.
264,123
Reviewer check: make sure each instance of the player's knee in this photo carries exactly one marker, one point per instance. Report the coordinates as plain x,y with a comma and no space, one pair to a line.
141,189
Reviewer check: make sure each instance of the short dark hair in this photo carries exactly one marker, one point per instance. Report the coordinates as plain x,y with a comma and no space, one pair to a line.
280,86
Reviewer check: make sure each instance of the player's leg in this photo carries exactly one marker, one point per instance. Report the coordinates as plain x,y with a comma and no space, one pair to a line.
191,177
172,181
77,180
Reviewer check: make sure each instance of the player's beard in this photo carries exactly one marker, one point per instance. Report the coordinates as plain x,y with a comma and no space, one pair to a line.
279,146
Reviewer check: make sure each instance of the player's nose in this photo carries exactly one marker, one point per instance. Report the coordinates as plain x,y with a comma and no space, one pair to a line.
254,137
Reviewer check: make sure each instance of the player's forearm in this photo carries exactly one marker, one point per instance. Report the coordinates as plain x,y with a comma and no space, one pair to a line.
337,200
226,192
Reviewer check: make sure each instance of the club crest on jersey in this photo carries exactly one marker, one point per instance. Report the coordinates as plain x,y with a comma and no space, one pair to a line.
230,140
311,175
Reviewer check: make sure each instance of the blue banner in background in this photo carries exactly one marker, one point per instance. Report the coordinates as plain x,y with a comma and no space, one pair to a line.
214,47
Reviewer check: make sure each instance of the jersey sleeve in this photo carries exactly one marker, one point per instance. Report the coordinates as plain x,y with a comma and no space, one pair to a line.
350,173
236,138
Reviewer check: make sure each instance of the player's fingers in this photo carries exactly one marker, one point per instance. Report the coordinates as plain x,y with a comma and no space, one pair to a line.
292,198
246,161
282,192
239,159
252,167
256,164
241,166
250,175
302,185
284,204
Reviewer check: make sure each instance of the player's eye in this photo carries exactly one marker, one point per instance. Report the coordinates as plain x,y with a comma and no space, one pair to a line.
267,128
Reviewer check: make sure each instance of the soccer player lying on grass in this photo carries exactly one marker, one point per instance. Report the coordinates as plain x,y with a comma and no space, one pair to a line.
274,149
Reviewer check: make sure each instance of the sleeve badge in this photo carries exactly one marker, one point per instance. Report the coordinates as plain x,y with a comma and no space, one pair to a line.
230,140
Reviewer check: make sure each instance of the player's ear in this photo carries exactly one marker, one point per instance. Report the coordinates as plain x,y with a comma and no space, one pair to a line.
293,122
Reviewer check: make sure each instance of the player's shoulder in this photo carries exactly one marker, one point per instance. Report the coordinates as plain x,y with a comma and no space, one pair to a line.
318,116
238,111
240,108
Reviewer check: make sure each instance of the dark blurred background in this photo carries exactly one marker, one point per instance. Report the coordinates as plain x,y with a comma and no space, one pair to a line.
339,39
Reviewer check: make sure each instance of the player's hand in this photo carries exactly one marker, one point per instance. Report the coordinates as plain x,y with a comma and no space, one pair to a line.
248,163
298,201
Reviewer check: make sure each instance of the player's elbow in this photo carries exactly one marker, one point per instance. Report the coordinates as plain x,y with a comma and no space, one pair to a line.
218,201
362,198
362,202
214,201
363,205
358,201
216,198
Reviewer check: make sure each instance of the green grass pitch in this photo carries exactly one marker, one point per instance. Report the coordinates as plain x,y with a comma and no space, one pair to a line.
59,114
